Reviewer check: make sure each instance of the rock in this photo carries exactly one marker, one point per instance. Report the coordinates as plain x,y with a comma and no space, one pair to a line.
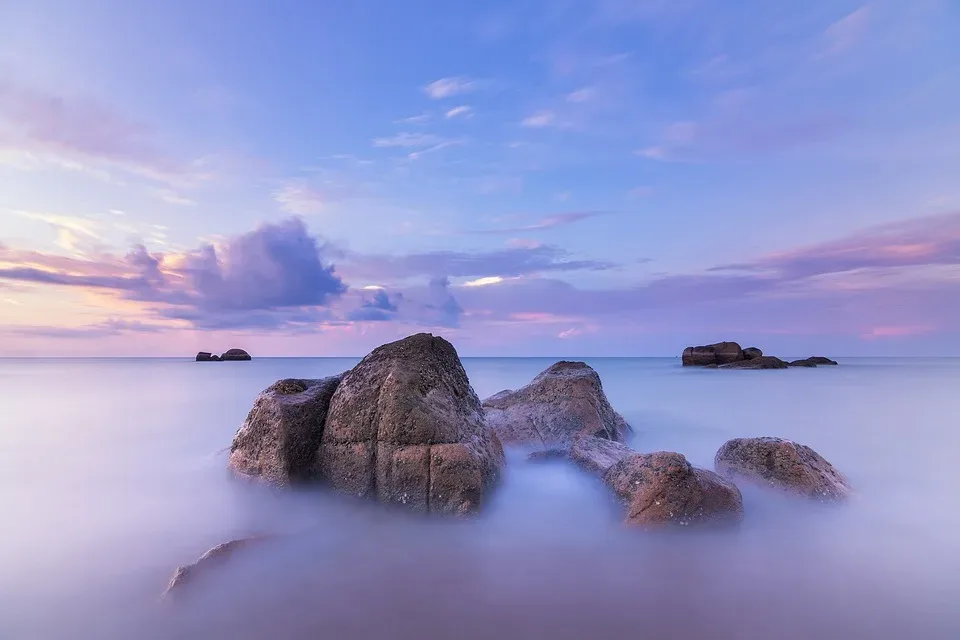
751,352
215,358
215,557
812,362
762,362
597,455
280,439
720,353
405,427
784,465
544,455
204,356
235,354
662,490
562,403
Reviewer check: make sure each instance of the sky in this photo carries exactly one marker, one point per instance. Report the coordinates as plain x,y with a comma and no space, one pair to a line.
523,177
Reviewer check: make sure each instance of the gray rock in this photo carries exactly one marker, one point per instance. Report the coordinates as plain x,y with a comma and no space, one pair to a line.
813,362
204,356
782,464
280,439
761,362
751,352
597,455
235,355
719,353
212,559
660,490
562,403
405,427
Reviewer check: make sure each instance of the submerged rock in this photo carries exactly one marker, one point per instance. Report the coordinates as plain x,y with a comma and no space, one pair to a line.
813,362
405,427
784,465
597,455
235,355
720,353
213,558
562,403
751,352
760,362
663,489
280,438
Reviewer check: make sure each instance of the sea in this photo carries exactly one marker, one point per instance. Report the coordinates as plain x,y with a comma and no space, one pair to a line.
114,471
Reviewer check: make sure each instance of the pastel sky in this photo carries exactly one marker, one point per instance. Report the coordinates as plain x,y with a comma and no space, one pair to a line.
524,177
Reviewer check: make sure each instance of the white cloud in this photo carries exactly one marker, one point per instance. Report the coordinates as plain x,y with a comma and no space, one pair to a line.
299,198
845,33
484,282
652,153
172,197
524,243
581,95
413,155
406,139
449,87
540,119
569,333
419,119
463,110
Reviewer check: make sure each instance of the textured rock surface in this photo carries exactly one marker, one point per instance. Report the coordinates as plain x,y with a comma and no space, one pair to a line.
761,362
782,464
563,402
719,353
663,489
597,455
751,352
213,558
813,362
405,427
235,354
280,439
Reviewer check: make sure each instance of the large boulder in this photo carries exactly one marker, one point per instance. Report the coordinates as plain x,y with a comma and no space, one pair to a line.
784,465
760,362
663,489
562,403
719,354
812,362
279,440
405,427
751,352
235,355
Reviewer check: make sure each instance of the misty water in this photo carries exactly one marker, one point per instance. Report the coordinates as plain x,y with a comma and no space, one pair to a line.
113,472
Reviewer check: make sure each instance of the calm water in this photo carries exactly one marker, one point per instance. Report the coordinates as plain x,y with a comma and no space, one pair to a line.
112,473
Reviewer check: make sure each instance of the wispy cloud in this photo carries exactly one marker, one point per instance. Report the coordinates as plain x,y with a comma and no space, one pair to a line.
543,119
462,111
584,94
846,33
547,222
299,198
417,119
407,139
452,86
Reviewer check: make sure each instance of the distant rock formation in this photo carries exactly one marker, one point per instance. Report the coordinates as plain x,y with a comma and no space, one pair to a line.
563,402
729,355
760,362
812,362
232,354
784,465
718,354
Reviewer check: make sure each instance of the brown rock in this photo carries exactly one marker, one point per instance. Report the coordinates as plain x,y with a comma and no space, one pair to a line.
813,362
213,558
784,465
405,427
664,490
751,352
235,355
719,353
280,439
760,362
562,403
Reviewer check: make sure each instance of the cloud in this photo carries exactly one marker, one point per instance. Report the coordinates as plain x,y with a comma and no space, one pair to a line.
452,86
74,233
844,34
299,198
442,308
547,222
380,308
417,119
543,119
407,139
75,133
107,328
462,111
583,94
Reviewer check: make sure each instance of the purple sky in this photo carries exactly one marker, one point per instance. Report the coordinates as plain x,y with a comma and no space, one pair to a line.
562,178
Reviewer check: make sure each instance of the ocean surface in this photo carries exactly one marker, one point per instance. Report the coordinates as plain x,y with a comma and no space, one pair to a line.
113,472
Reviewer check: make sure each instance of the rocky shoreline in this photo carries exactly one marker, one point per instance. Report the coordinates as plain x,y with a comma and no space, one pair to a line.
405,428
729,355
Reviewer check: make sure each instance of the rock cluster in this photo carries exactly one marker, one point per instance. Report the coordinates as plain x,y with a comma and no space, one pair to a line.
231,354
729,355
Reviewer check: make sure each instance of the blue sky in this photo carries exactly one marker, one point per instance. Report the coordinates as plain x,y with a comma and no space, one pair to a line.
562,177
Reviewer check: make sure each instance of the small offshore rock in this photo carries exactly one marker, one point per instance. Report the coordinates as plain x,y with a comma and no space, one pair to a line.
760,362
235,355
720,353
813,362
751,352
205,356
782,464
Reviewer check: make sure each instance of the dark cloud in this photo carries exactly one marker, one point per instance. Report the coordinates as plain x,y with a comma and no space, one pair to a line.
380,308
104,329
